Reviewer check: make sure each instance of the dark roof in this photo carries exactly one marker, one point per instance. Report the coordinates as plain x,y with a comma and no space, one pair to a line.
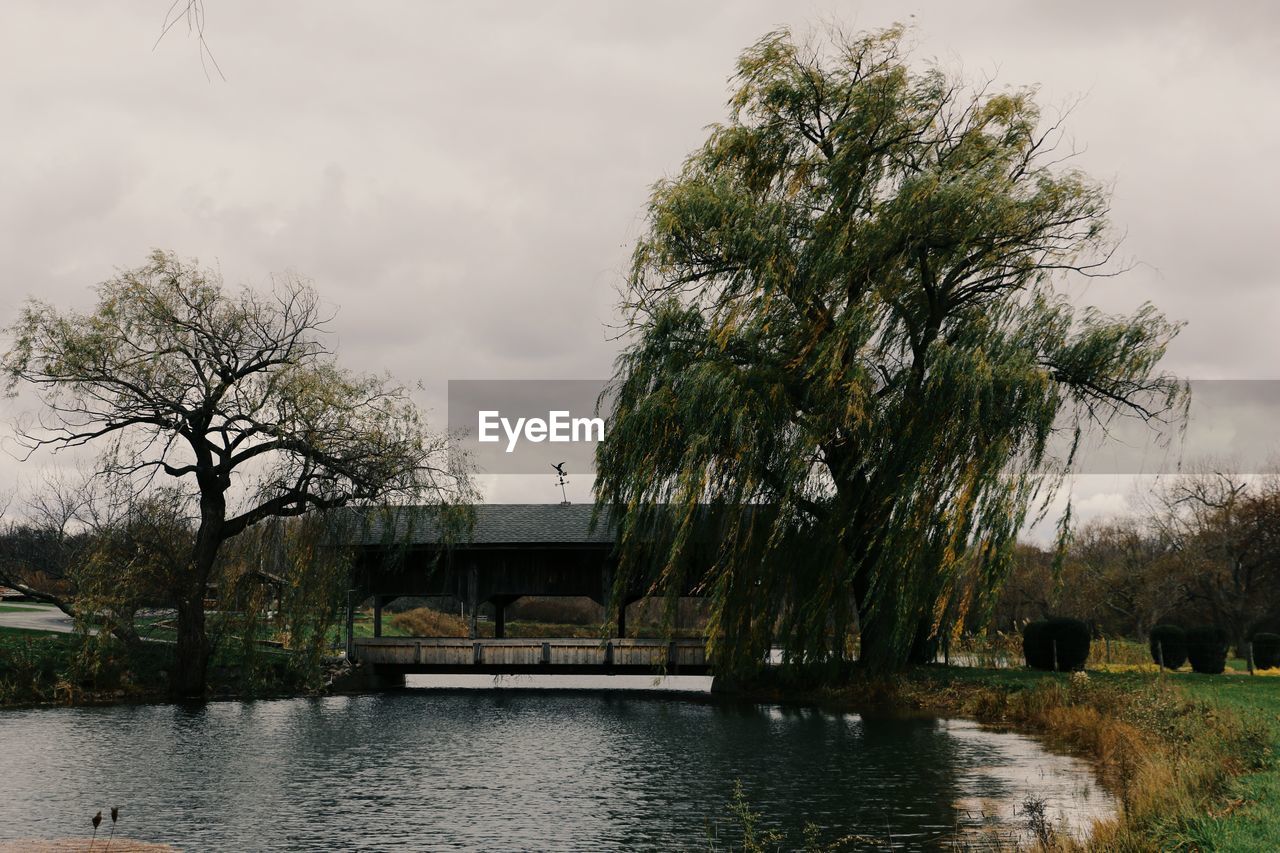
495,524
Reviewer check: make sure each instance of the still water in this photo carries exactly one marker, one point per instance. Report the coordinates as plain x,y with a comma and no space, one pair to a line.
516,770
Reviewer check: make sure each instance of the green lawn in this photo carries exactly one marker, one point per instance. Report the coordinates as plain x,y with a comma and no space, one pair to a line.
1251,818
9,634
5,607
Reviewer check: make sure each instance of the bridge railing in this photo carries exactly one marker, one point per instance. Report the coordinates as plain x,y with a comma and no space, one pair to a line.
446,653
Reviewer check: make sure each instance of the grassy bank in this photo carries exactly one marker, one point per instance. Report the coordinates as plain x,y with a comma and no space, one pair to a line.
1190,758
1247,817
38,667
41,667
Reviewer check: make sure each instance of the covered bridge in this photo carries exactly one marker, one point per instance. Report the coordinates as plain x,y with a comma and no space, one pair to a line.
510,551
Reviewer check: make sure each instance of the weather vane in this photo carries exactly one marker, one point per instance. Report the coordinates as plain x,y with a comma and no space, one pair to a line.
560,480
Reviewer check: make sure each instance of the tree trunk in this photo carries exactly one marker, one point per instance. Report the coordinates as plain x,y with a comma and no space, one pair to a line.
875,631
879,652
127,633
191,669
875,648
192,657
924,648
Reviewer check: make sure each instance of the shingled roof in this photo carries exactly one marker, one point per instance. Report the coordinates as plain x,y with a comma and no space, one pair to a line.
495,524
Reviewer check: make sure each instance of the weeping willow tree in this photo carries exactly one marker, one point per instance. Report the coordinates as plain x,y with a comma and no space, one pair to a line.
286,581
846,358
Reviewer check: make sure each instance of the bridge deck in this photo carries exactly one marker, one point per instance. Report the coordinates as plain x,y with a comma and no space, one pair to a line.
436,655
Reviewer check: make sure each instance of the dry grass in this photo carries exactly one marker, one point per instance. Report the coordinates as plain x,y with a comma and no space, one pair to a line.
1167,758
425,622
570,620
1107,651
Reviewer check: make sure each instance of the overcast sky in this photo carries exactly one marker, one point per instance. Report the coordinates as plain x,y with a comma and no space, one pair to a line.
463,181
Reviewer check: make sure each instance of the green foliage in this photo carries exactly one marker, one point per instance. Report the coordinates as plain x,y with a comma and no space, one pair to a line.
847,357
38,667
41,667
286,581
135,555
1266,650
1207,649
1060,644
1168,646
745,827
29,666
755,838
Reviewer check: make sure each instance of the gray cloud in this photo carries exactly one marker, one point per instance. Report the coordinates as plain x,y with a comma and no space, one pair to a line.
463,181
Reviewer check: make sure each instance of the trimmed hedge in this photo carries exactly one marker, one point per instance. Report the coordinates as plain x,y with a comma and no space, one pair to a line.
1169,646
1207,649
1266,651
1068,639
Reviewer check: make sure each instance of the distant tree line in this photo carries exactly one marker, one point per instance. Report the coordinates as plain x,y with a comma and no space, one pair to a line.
1199,549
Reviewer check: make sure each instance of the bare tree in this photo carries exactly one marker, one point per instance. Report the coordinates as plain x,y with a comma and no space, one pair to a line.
233,394
38,556
97,549
1223,531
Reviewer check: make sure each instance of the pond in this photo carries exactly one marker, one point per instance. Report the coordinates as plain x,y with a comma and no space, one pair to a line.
520,770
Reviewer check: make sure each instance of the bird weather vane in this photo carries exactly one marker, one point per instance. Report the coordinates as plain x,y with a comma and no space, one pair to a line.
560,480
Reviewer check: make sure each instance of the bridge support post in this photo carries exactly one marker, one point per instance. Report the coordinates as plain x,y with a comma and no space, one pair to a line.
500,603
622,619
377,616
351,626
473,603
499,619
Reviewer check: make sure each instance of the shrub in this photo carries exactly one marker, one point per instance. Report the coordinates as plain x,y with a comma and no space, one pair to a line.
565,610
1060,640
1207,649
1169,646
1266,650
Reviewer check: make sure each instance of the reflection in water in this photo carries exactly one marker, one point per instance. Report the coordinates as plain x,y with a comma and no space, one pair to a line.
494,770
